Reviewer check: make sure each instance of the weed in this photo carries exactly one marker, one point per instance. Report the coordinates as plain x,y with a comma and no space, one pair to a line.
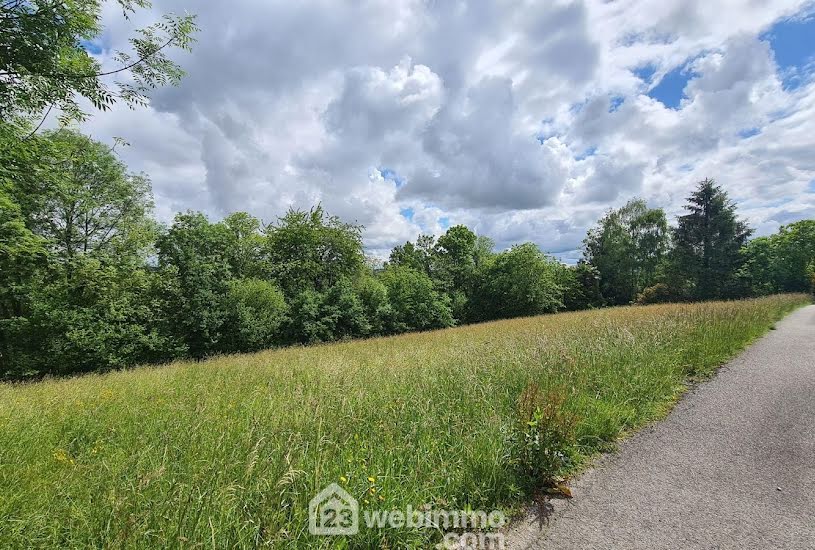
545,433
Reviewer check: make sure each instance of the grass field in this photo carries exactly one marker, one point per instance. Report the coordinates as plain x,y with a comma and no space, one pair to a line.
228,452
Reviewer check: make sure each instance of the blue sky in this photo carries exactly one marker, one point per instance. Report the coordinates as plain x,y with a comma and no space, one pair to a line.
670,88
793,45
92,47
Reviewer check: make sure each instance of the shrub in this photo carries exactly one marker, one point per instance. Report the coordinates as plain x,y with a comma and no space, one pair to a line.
336,314
811,275
414,303
545,433
518,282
258,312
374,297
657,294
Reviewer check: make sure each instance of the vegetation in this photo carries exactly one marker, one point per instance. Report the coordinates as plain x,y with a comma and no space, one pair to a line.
626,247
90,282
45,63
228,452
707,242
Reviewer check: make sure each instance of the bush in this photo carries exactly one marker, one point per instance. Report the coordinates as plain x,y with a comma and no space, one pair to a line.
521,281
373,295
811,275
545,433
414,304
259,311
336,314
100,319
657,294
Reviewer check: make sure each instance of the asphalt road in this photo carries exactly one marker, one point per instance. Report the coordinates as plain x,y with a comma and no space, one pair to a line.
733,466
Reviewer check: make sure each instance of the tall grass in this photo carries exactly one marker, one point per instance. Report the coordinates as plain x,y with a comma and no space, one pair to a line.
228,452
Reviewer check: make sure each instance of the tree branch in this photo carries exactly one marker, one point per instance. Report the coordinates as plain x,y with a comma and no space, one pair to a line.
34,131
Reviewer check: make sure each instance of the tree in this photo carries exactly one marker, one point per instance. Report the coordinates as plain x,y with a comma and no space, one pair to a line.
373,295
758,274
794,252
581,286
44,63
483,250
88,204
417,256
75,232
455,254
707,243
626,248
336,314
193,256
102,318
454,261
20,251
414,302
517,282
245,249
811,277
312,251
778,262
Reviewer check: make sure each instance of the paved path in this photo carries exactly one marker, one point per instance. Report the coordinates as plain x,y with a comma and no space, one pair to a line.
733,466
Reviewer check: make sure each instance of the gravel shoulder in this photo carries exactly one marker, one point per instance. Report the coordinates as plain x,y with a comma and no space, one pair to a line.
732,466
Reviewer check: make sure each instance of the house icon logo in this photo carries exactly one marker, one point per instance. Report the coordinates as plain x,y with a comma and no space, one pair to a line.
333,512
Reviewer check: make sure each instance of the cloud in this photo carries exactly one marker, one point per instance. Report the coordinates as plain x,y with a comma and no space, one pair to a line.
478,157
524,120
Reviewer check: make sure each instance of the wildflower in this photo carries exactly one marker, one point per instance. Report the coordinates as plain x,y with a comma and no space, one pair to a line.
372,479
63,457
344,479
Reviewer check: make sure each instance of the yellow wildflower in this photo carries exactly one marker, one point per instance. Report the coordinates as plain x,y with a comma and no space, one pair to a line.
63,457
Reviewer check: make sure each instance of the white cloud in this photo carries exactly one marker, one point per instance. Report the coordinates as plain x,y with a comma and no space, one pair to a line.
484,111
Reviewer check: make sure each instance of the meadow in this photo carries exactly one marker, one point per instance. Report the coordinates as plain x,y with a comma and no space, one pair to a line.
228,452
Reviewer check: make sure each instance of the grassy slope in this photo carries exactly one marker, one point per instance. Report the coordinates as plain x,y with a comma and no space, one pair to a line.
229,451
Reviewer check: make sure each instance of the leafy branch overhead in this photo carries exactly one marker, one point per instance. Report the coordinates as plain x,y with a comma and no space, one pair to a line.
45,63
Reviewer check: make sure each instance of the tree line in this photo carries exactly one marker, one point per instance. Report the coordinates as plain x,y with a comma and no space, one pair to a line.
89,281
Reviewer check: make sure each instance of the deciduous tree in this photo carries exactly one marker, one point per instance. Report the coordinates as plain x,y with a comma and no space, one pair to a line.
45,63
625,248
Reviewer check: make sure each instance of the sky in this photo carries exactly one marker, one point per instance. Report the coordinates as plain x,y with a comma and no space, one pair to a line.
523,120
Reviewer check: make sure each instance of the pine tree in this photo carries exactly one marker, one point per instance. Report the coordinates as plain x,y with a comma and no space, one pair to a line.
707,243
